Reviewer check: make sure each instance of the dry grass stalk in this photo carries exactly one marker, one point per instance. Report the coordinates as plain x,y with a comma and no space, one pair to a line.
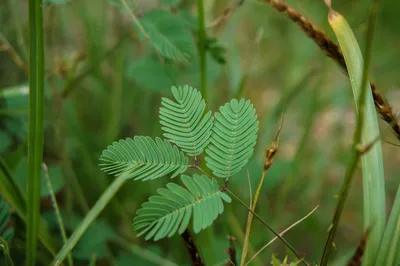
333,50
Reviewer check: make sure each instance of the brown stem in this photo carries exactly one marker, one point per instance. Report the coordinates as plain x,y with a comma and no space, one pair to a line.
382,106
192,249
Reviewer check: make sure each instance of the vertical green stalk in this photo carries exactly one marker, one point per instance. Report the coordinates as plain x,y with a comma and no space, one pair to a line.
89,218
202,36
366,134
35,133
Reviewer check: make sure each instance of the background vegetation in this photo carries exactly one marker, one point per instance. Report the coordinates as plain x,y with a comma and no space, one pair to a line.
103,81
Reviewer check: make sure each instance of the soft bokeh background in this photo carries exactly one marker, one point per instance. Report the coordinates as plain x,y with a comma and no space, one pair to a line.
103,84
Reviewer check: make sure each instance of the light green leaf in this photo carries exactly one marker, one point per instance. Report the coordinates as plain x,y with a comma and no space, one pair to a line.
143,158
233,138
168,35
163,216
143,72
184,122
389,250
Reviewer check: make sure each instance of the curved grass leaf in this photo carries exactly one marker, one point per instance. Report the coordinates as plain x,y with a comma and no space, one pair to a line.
170,212
143,158
183,121
233,138
389,250
168,35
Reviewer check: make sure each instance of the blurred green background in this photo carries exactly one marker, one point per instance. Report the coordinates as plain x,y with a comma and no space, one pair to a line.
103,83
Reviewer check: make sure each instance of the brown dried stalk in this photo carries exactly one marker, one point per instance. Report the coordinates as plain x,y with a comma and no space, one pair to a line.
192,249
333,51
356,260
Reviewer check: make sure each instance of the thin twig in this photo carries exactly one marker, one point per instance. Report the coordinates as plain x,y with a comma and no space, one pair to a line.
56,210
382,106
356,260
135,20
281,234
228,12
192,249
232,252
258,218
14,55
269,159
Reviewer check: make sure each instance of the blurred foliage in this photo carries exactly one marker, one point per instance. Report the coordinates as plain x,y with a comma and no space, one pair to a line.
104,82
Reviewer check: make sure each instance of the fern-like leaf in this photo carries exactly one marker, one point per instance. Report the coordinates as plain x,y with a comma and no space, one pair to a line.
162,216
183,121
143,158
233,138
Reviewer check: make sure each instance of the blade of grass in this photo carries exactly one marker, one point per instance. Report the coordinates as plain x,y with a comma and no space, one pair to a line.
14,196
366,132
89,218
35,133
390,246
202,35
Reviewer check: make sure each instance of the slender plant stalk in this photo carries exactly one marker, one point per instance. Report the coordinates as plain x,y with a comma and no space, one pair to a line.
202,48
135,20
258,218
367,131
281,234
56,210
35,134
271,151
104,199
10,190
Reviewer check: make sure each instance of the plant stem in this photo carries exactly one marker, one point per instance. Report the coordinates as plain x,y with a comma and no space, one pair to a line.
202,49
105,198
258,218
56,210
35,134
365,118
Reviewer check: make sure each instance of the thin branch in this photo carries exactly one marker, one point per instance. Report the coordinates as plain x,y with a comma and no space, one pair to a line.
135,20
281,234
192,249
269,159
258,218
56,210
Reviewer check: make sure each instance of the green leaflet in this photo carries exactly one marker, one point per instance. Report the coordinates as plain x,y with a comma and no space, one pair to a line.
168,35
170,212
184,122
233,138
143,158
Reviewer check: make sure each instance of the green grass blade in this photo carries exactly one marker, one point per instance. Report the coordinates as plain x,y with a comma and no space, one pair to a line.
35,135
14,196
202,35
390,246
105,198
372,162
